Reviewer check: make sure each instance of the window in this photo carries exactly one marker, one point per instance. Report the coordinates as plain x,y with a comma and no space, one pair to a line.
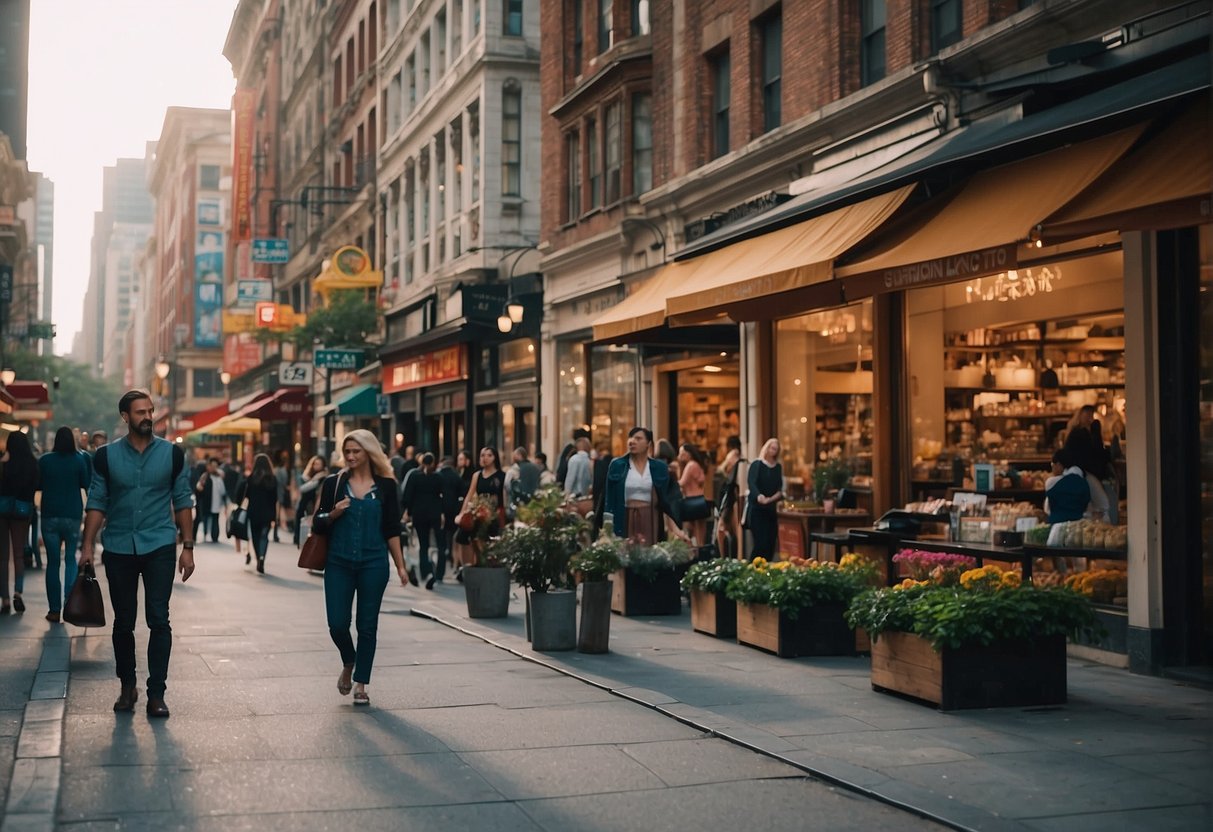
871,46
945,23
337,84
208,177
440,165
206,383
513,18
393,104
605,14
424,230
423,82
614,151
578,34
410,74
456,29
511,139
640,17
440,41
594,157
474,131
642,143
720,104
573,162
410,210
771,33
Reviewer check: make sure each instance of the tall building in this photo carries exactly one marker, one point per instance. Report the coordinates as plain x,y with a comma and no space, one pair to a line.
44,239
14,72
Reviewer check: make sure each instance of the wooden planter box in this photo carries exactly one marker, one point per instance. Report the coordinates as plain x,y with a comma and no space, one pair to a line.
1001,675
817,631
714,614
631,595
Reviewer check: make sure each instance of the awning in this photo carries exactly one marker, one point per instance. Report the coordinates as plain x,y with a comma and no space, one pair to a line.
206,417
784,260
284,403
359,400
977,231
228,426
29,392
1170,175
644,309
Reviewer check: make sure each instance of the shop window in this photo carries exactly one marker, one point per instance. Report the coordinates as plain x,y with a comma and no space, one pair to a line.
872,43
642,143
823,385
613,401
511,139
719,73
571,388
946,27
770,34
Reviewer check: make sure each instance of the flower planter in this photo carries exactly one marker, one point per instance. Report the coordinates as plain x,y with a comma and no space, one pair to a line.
1000,675
488,591
595,632
713,614
553,620
632,595
818,631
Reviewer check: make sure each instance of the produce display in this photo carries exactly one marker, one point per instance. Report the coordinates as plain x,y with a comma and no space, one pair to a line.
1088,534
1101,585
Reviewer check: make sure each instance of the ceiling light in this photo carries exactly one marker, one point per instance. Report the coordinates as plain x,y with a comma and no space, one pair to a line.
712,368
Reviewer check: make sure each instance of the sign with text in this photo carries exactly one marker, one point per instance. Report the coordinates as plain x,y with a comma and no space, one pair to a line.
339,359
295,374
244,103
251,292
241,352
448,364
271,250
941,270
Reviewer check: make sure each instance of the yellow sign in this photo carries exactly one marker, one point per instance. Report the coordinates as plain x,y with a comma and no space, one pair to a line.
350,261
349,268
285,318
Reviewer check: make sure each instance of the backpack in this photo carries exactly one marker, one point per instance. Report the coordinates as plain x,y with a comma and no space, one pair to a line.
101,464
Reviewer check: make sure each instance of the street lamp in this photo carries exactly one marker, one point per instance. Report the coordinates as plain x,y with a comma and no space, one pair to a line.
8,376
162,368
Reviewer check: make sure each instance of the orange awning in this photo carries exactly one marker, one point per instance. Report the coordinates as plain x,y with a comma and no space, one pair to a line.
644,308
996,208
1173,172
781,261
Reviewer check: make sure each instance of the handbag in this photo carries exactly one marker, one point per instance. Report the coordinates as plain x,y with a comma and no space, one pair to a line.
237,521
314,553
85,607
695,508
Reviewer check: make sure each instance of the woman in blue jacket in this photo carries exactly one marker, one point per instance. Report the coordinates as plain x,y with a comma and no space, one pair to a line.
637,491
64,472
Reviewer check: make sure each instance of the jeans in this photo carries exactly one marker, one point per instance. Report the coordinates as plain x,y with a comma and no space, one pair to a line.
205,520
60,533
423,527
343,579
259,540
123,572
13,533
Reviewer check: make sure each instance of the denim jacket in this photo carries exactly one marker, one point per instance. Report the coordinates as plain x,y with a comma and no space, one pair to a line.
617,474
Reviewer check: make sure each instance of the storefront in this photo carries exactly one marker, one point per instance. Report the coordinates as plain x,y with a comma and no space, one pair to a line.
432,388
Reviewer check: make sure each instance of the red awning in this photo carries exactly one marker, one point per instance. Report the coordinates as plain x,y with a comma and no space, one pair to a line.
202,417
282,404
29,392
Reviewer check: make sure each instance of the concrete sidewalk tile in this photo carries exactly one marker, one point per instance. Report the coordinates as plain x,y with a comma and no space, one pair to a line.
1168,819
50,685
133,740
44,822
346,733
1193,769
44,710
56,654
950,804
41,738
560,772
828,766
646,696
700,761
98,793
35,787
10,721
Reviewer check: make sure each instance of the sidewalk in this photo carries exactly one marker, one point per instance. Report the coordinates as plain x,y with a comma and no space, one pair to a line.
460,735
1126,752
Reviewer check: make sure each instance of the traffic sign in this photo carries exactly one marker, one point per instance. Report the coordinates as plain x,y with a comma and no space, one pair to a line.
294,373
339,359
271,250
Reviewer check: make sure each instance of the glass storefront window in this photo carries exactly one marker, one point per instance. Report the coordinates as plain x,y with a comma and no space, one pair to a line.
570,389
1206,427
823,384
613,405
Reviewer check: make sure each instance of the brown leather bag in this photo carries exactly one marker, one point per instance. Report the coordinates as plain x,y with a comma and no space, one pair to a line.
315,552
84,606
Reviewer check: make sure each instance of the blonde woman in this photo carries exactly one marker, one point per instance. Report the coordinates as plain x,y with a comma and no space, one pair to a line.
765,482
360,512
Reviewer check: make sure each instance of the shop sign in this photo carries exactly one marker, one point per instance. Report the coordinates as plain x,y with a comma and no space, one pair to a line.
244,102
295,374
251,292
241,353
699,228
478,303
949,269
448,364
339,359
271,250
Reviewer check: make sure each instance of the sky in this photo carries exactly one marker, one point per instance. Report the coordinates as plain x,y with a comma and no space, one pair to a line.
101,75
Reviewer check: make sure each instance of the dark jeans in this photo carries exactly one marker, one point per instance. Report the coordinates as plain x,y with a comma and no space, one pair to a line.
206,520
13,533
764,527
60,534
259,539
123,572
343,580
423,527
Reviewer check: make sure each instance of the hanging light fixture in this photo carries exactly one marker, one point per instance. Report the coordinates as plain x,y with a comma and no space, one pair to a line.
504,323
514,310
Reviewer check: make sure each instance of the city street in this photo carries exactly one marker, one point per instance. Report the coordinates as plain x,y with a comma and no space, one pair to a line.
465,731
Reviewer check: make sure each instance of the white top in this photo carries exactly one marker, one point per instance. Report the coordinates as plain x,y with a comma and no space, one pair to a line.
638,487
218,494
1099,508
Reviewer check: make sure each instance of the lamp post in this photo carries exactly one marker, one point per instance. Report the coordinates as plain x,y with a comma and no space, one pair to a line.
163,368
225,378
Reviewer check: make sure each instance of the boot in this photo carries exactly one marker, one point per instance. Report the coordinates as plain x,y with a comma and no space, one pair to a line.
127,699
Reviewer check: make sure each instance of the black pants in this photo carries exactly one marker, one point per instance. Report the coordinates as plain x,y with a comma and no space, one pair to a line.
764,527
423,526
123,572
206,520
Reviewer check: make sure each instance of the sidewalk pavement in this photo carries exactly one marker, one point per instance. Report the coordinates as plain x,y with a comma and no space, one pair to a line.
460,735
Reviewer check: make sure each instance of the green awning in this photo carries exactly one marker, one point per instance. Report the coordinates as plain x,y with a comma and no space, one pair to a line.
359,400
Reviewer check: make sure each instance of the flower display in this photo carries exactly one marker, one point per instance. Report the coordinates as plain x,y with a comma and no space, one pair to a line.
646,561
793,585
1100,585
940,567
712,575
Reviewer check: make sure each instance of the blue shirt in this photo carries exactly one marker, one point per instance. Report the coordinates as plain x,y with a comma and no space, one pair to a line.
64,476
140,497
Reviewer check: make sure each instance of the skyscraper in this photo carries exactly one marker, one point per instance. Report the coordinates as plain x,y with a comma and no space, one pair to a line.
14,72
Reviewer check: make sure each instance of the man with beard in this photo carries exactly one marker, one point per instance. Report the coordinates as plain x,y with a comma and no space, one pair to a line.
140,490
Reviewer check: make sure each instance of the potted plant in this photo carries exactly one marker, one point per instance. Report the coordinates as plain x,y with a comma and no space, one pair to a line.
985,641
539,550
796,607
487,584
713,612
648,582
595,564
828,476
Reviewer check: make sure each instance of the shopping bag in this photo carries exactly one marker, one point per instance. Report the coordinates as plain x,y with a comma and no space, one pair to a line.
85,607
237,522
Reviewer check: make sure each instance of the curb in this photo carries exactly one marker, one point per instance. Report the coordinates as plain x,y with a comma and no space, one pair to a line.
698,719
33,794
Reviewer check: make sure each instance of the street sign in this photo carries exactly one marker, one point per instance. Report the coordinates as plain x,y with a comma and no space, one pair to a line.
295,374
271,250
383,404
251,292
339,359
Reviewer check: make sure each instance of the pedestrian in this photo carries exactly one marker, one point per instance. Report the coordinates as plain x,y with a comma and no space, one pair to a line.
64,476
309,486
18,483
359,512
637,489
261,491
691,480
546,477
423,496
453,491
410,462
765,485
212,498
98,439
579,476
141,492
84,442
566,453
282,475
488,482
397,460
728,523
521,481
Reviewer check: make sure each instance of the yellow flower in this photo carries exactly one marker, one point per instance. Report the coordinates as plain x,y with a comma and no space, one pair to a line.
1010,579
849,560
759,563
781,565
